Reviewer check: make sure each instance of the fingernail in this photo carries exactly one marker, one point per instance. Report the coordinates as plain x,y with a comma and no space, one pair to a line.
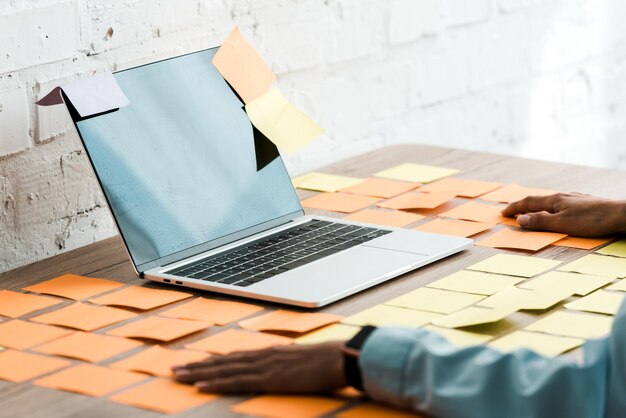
181,372
523,220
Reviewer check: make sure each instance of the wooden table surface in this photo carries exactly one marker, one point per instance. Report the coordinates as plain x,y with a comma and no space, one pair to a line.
108,259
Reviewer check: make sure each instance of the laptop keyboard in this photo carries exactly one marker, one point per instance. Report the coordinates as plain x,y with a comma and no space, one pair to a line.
279,253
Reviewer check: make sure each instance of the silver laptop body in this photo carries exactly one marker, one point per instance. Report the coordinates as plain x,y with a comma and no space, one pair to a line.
190,182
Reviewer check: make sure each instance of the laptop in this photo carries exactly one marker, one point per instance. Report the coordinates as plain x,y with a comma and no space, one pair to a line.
203,200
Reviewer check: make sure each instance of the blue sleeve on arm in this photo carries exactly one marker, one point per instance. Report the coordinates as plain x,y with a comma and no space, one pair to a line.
419,370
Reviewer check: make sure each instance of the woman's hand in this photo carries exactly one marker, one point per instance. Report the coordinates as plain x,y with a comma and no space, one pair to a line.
576,215
287,369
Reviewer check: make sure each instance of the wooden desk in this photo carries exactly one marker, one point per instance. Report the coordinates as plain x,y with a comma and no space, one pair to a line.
108,259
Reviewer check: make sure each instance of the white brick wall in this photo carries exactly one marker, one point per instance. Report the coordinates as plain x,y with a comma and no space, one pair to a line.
538,78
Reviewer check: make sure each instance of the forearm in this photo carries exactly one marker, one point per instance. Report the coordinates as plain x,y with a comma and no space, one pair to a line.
419,370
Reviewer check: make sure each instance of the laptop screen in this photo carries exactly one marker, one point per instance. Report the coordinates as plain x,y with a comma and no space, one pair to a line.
182,166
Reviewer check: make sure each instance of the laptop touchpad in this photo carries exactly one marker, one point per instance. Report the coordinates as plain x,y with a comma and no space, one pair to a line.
417,242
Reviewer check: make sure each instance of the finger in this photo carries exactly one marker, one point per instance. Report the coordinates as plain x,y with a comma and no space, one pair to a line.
238,384
218,371
541,221
531,204
236,357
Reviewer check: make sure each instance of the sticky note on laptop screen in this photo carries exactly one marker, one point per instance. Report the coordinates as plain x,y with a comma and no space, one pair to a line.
284,124
243,67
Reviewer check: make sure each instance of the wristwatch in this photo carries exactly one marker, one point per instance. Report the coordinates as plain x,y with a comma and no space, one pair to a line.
351,352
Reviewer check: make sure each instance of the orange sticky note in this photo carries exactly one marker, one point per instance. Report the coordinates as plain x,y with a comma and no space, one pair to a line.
243,67
74,287
140,297
474,211
339,202
282,320
461,187
158,360
383,188
389,218
509,221
88,347
163,396
16,366
22,334
160,329
220,312
372,410
409,201
513,192
84,317
582,243
90,380
233,340
521,240
455,227
16,304
286,406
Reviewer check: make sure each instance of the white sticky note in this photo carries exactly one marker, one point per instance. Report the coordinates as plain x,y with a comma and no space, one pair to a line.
97,94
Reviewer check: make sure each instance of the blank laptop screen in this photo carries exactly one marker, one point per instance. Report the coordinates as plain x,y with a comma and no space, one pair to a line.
182,165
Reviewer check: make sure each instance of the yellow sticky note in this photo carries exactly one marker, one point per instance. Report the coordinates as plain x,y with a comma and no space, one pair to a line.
284,124
419,173
515,297
334,332
599,265
570,324
383,315
598,302
474,316
580,284
458,337
322,182
620,285
544,344
515,265
477,282
435,300
617,249
243,67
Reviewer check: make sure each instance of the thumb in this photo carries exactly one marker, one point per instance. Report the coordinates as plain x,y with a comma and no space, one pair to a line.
539,221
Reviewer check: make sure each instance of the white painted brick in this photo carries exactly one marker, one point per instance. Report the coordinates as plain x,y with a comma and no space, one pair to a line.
38,36
463,12
440,75
499,51
356,29
52,121
409,20
301,49
14,120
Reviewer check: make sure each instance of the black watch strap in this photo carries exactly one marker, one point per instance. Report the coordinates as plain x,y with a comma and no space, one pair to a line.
351,367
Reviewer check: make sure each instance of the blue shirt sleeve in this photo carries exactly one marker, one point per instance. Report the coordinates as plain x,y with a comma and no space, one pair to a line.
419,370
